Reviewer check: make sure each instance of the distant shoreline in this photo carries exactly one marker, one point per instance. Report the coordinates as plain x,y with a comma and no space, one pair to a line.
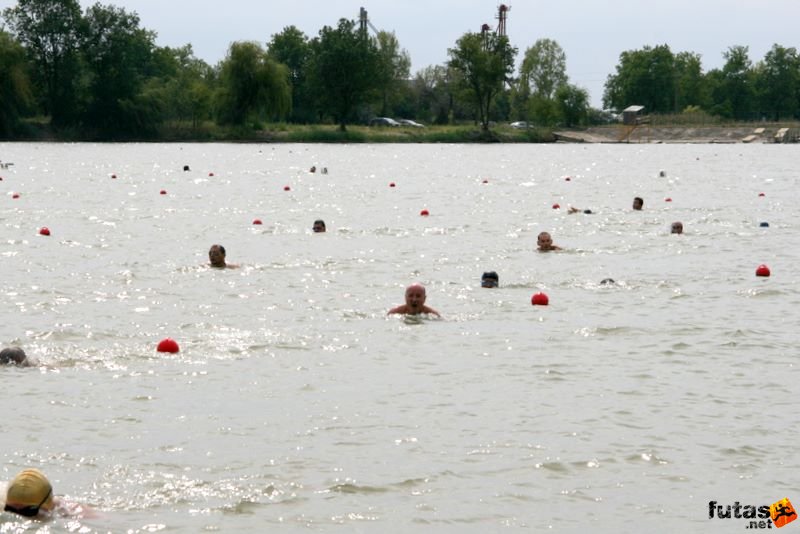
466,134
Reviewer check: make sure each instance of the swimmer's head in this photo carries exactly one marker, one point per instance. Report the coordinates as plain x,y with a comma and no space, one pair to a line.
216,256
676,228
490,279
29,492
415,296
638,202
544,241
319,226
14,356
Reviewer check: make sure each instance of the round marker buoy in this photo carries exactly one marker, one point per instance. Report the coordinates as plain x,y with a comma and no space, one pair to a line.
486,181
168,345
540,299
287,188
424,213
762,270
211,174
762,195
567,179
113,176
391,184
44,230
256,221
15,195
668,199
163,192
556,206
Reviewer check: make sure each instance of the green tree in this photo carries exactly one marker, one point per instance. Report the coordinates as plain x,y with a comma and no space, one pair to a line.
735,94
573,105
485,62
50,31
432,90
644,77
779,81
291,47
16,96
183,83
691,88
118,55
252,85
544,68
343,70
393,69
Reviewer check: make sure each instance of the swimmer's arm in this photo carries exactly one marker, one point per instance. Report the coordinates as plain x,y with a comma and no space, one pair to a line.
426,309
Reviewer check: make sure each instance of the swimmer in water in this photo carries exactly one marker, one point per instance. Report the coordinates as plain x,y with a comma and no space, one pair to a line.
15,356
30,494
216,257
415,302
545,242
638,203
490,279
319,226
676,228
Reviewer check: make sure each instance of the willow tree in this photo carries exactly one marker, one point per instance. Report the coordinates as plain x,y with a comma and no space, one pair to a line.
252,85
485,62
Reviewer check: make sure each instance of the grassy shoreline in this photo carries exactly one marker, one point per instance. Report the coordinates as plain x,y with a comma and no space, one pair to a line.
39,130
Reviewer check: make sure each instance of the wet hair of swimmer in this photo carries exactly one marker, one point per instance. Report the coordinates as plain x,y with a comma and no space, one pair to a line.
13,355
607,281
319,225
490,279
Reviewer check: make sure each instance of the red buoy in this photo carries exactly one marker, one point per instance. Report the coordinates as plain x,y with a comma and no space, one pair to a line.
762,195
540,299
567,179
424,213
44,230
762,270
163,191
287,188
668,199
256,221
114,176
15,195
168,345
486,181
211,174
391,184
556,206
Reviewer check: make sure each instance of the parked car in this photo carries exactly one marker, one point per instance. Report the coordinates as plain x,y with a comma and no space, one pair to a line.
521,125
383,121
409,122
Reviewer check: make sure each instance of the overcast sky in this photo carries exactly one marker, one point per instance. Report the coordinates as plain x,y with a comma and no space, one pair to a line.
592,33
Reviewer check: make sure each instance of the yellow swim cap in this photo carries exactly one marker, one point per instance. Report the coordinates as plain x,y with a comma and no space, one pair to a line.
30,488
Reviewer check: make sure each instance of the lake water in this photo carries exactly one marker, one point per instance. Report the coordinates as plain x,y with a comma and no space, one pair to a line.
296,404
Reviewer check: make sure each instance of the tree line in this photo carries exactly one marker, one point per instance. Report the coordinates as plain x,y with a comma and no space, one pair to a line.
98,74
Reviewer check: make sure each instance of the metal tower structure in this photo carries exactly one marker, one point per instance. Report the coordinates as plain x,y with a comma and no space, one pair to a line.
502,16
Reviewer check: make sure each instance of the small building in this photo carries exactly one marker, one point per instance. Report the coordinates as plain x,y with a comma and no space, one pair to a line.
632,115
